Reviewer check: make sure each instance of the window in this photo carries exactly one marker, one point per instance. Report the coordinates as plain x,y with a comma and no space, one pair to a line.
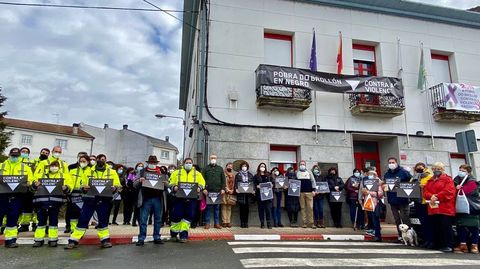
440,69
61,143
26,140
283,157
278,49
165,154
364,60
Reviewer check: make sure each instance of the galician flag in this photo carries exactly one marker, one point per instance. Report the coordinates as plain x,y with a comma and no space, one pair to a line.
422,73
313,54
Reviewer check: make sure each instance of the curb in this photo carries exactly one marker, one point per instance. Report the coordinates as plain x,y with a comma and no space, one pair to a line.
126,239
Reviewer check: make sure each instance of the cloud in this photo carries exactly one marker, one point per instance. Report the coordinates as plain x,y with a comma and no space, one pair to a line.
93,66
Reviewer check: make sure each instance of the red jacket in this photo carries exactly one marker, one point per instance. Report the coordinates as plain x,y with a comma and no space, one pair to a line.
444,188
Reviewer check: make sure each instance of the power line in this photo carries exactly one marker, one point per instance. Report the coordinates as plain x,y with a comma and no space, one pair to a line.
157,9
171,15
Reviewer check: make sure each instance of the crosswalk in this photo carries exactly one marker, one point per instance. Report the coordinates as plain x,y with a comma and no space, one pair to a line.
339,254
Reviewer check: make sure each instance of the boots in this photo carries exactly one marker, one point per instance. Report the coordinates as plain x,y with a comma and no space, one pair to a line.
262,225
269,225
462,248
474,249
24,228
320,224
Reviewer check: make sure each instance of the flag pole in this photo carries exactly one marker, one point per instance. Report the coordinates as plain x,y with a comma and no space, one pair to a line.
339,71
314,46
428,101
400,76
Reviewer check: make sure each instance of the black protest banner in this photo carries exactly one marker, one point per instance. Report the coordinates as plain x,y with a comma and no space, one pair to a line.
153,181
245,187
266,192
100,187
294,187
337,196
214,198
280,182
409,190
50,187
370,184
391,183
13,184
187,191
271,75
322,187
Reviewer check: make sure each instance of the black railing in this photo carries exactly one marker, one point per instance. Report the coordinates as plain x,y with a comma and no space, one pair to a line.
437,96
284,92
375,100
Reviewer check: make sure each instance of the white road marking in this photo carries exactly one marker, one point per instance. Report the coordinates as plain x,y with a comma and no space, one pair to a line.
312,243
376,262
332,250
353,237
257,237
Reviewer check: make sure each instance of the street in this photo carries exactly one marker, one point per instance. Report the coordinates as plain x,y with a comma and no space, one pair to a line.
238,254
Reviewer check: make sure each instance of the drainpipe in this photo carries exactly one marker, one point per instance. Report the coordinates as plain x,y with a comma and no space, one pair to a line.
202,86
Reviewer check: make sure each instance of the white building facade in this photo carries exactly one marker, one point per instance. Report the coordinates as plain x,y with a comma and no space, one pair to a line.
227,115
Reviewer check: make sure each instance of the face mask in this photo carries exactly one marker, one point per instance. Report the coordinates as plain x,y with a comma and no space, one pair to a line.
392,166
302,167
262,169
188,166
371,177
120,171
92,162
24,155
56,155
316,172
244,168
170,171
13,159
43,157
277,173
356,174
100,164
419,170
332,173
140,168
229,169
437,173
152,166
213,161
462,174
53,169
83,164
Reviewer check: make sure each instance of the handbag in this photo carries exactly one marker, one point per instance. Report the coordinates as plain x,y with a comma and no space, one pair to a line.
368,204
462,205
474,202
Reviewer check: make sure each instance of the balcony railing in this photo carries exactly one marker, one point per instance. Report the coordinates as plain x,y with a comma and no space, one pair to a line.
441,113
376,105
283,97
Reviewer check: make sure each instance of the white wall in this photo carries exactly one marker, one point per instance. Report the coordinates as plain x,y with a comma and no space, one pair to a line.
47,140
236,49
172,156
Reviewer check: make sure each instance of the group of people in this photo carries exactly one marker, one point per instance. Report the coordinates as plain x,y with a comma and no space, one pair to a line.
187,197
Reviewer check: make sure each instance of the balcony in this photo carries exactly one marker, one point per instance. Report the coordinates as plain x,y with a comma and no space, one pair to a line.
443,113
280,97
376,105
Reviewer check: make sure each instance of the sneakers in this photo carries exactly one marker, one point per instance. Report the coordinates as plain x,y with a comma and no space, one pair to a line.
207,226
474,249
37,244
52,244
106,245
140,243
216,226
446,249
11,245
158,242
462,248
182,240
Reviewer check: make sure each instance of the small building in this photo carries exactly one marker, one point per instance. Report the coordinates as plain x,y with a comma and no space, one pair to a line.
37,135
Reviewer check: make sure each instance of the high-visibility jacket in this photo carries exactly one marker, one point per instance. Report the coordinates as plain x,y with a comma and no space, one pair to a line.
8,168
42,166
182,176
79,177
108,173
67,181
27,161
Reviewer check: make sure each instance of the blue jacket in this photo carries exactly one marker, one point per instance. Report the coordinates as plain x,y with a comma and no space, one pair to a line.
403,176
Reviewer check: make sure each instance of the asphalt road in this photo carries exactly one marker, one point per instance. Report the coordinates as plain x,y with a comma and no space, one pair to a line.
238,254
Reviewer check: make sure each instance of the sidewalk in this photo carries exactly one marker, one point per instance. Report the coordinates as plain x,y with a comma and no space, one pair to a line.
123,234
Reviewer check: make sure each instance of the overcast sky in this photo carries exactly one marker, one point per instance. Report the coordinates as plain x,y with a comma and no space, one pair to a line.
97,66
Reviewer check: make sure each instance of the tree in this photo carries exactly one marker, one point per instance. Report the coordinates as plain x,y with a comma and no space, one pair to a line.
4,135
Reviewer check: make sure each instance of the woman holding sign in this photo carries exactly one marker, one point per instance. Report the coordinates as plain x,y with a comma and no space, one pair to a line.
280,183
264,205
336,190
352,187
50,189
422,175
321,191
79,177
371,201
440,195
244,183
292,202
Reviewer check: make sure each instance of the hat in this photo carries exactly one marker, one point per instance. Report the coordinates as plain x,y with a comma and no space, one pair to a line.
15,152
152,159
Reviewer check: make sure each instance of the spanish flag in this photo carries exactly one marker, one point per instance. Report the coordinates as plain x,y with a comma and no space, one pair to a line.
340,56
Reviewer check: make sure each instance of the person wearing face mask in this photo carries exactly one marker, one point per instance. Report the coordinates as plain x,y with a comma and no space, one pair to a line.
169,197
467,224
117,197
243,199
422,175
139,167
352,187
229,189
93,161
42,167
71,167
11,204
44,154
184,209
399,206
74,201
307,192
98,204
128,195
376,195
264,207
27,212
335,183
48,206
278,194
318,199
292,203
440,194
215,182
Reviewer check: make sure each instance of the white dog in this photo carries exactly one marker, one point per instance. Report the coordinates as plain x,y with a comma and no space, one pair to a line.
409,235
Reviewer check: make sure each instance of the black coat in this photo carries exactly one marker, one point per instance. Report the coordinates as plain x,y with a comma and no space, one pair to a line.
243,198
